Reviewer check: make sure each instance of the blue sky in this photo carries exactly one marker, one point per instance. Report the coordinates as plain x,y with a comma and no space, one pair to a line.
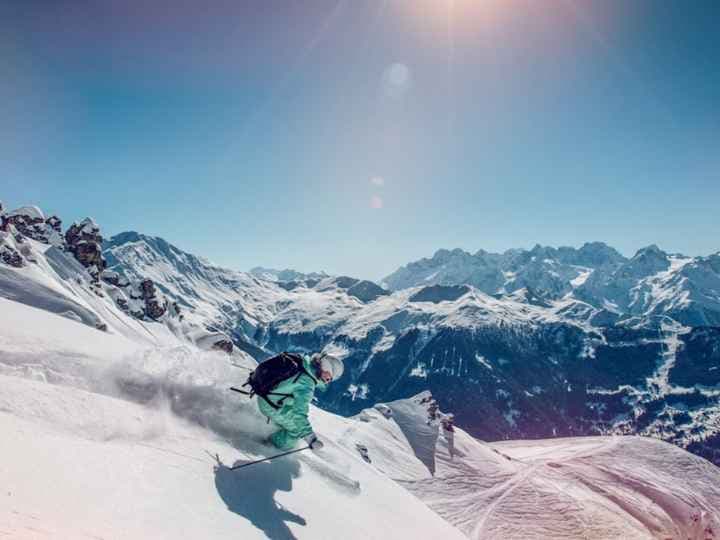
355,136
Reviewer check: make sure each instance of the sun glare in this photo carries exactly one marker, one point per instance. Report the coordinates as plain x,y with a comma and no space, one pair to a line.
463,15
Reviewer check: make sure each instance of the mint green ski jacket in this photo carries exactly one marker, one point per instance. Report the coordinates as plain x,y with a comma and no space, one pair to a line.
292,418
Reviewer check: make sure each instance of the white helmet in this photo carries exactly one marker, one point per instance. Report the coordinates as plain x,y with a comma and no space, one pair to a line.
329,363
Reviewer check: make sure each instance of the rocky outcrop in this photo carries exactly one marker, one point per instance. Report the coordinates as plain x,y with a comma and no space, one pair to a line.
224,345
10,256
115,279
9,253
111,278
26,216
155,305
142,300
30,222
85,243
54,223
211,340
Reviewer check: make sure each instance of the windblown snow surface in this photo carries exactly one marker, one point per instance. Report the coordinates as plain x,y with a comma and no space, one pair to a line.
107,437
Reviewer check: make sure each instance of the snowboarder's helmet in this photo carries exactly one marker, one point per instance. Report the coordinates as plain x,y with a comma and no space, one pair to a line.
329,363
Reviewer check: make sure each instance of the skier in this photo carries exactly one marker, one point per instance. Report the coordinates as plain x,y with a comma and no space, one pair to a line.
287,402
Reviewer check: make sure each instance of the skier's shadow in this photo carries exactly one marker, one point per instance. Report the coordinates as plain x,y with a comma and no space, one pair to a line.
250,492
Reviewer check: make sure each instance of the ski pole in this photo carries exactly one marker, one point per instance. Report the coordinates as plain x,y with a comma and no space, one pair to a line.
267,459
239,391
233,364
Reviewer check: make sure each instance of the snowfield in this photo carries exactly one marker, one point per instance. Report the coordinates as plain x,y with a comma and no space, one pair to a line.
589,487
136,443
105,436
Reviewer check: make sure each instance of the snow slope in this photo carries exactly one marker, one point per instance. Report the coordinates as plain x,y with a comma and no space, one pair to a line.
105,438
592,487
54,281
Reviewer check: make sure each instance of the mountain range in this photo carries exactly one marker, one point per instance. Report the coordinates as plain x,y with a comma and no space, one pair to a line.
525,344
650,284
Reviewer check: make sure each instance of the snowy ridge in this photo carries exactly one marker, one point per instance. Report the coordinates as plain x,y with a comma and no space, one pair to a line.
650,284
67,274
595,487
541,268
56,282
192,281
271,274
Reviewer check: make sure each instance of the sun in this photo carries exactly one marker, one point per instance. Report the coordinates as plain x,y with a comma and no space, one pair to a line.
463,15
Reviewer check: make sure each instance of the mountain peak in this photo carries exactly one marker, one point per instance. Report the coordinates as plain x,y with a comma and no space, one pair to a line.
125,237
651,251
32,212
442,255
596,254
651,248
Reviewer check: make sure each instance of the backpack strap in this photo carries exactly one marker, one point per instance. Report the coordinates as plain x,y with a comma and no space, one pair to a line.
304,371
273,405
247,383
276,406
283,397
280,401
251,393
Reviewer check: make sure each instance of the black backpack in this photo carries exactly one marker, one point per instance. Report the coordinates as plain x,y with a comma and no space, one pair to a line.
272,372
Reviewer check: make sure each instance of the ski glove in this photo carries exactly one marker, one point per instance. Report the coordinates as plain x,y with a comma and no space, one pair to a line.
313,442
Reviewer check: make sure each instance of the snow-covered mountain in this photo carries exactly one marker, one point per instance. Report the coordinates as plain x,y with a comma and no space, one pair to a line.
209,294
651,284
250,309
109,437
543,268
523,363
271,274
68,275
